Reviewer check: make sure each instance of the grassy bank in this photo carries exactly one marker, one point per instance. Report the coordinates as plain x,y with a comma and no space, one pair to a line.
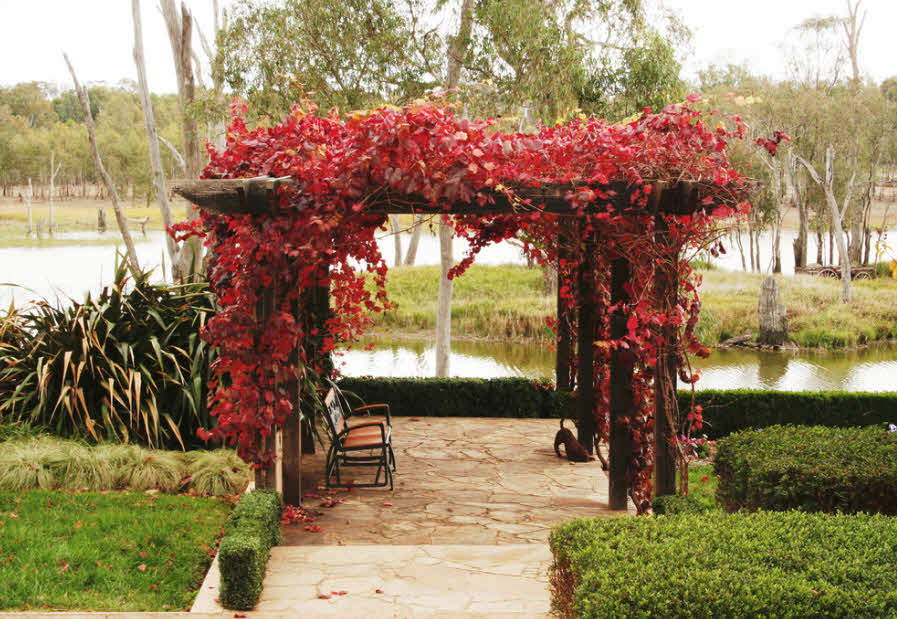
509,302
105,551
77,215
488,302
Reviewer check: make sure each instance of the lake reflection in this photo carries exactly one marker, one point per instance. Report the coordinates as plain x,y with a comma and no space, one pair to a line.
870,369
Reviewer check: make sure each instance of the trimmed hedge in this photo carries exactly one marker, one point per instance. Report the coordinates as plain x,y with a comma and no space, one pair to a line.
728,411
251,530
724,411
463,397
809,468
763,564
668,504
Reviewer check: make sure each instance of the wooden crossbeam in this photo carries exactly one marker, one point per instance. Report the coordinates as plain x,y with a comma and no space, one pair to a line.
258,196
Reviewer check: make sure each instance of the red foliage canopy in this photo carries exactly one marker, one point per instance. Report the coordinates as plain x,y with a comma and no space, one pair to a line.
323,233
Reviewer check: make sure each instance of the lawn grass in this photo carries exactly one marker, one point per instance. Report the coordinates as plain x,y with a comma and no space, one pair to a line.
509,302
120,551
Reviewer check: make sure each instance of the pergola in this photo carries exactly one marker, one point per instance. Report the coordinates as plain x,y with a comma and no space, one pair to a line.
259,197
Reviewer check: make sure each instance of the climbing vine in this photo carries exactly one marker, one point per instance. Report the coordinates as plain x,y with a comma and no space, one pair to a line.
322,233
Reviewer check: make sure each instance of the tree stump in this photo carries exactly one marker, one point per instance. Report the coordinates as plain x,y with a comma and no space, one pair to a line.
773,317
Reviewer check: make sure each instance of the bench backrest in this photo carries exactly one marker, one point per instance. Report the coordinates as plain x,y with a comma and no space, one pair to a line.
335,416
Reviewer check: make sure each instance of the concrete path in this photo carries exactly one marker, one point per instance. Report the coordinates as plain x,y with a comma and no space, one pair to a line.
407,581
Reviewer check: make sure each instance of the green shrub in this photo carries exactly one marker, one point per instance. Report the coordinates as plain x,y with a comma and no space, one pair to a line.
762,564
462,397
726,412
668,504
810,468
127,365
251,530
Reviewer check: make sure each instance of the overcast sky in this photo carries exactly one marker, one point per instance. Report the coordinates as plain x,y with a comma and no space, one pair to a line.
98,36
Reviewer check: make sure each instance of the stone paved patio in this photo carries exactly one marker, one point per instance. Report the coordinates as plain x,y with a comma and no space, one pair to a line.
460,481
464,534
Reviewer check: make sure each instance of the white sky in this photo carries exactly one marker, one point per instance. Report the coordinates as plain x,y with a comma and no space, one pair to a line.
98,36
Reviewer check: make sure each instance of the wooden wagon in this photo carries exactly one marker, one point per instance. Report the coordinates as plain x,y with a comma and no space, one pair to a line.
834,271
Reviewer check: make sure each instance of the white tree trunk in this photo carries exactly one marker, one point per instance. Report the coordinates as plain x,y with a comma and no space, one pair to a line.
152,139
444,302
456,51
836,215
107,180
397,240
53,171
411,253
28,196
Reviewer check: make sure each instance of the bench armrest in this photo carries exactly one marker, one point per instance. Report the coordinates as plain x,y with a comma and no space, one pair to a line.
367,409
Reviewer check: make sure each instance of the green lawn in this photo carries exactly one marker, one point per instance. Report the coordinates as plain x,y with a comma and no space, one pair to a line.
120,551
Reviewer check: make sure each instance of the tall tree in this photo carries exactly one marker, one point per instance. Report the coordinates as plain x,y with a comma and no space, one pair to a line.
180,35
152,138
455,53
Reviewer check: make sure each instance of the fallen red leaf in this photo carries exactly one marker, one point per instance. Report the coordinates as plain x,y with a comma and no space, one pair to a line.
142,567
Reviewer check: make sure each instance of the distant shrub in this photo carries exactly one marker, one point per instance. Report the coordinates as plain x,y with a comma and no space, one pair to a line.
809,468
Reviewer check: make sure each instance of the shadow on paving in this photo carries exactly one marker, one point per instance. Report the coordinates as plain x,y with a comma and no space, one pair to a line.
464,481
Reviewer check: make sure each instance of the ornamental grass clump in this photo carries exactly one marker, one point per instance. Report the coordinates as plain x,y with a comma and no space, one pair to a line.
811,468
217,473
51,463
761,564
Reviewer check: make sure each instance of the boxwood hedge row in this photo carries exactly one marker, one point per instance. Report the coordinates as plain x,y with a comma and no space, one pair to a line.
724,411
761,564
249,533
812,468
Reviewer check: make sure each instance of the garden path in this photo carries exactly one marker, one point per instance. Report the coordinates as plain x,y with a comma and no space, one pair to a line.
464,533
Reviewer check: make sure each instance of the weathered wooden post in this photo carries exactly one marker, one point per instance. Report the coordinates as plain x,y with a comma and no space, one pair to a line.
564,351
267,477
585,371
665,373
621,405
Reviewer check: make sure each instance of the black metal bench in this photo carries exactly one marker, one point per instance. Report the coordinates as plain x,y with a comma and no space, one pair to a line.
360,444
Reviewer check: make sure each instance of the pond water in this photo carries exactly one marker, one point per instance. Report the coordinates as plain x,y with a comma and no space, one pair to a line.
868,369
69,271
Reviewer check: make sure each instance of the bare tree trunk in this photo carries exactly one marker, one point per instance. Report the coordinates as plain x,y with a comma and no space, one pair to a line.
116,203
180,34
456,51
152,139
411,253
397,240
836,215
27,197
444,302
740,248
54,170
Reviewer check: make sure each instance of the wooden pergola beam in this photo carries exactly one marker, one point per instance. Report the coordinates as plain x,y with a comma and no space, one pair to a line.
258,196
